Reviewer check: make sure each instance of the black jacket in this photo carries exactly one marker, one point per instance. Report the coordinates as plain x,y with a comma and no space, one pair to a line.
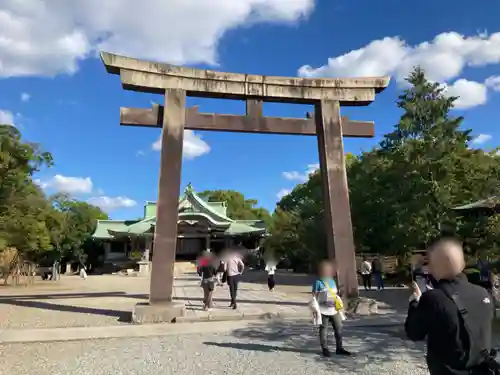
207,272
436,318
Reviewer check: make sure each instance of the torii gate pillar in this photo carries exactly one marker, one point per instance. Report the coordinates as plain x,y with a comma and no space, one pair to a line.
176,83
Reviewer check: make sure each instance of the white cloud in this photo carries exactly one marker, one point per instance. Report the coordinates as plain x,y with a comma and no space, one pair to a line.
25,97
69,185
481,138
193,145
111,203
470,93
443,58
6,117
282,193
47,37
142,153
301,176
493,82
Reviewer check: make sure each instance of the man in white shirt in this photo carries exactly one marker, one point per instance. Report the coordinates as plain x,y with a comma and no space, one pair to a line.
234,268
366,273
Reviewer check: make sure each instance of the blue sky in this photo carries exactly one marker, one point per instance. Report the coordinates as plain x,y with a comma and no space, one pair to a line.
57,92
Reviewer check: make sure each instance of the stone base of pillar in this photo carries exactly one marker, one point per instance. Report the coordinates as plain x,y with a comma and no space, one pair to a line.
144,268
363,306
69,271
145,313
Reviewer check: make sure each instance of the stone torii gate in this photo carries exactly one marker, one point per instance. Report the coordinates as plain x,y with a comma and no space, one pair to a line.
176,83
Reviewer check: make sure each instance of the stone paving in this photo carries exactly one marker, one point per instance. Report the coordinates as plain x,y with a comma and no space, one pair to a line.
109,299
266,347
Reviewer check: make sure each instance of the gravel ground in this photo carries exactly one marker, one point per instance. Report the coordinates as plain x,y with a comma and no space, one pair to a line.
270,348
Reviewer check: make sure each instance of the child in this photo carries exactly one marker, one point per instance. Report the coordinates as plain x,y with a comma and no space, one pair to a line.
330,306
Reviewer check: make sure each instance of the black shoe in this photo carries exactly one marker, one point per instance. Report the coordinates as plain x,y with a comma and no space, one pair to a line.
235,306
231,305
342,351
326,352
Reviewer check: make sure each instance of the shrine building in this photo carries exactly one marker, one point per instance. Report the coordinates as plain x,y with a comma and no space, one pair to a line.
201,226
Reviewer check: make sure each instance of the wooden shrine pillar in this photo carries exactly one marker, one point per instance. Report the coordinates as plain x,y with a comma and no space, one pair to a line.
338,223
172,137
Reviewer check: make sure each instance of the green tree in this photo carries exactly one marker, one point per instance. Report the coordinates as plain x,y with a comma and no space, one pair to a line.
23,207
401,192
75,223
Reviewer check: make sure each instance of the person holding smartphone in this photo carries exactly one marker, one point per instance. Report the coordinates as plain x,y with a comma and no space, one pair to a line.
453,316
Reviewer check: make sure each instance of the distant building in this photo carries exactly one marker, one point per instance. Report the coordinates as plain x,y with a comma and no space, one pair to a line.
201,226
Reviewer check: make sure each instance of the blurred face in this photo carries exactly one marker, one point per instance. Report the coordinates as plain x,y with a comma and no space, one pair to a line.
446,261
326,270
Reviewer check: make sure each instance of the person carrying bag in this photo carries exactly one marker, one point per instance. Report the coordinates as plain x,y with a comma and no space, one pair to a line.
327,309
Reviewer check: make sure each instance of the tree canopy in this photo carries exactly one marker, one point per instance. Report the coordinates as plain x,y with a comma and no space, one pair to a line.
31,222
402,191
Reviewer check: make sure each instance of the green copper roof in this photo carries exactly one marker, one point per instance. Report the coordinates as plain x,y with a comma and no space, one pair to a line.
140,227
488,206
104,226
191,207
236,228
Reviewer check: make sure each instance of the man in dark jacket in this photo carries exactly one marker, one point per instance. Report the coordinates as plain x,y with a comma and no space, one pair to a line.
455,316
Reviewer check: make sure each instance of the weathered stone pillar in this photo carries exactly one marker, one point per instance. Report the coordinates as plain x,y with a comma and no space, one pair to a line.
107,250
125,247
162,273
69,271
339,233
147,248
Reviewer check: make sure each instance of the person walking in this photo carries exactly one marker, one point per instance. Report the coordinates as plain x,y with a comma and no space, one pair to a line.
207,272
271,282
378,273
234,269
366,273
220,273
453,316
330,307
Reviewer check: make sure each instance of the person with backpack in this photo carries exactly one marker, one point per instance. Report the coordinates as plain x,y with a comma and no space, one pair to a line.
453,316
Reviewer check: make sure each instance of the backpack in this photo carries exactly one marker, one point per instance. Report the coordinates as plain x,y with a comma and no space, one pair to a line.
489,365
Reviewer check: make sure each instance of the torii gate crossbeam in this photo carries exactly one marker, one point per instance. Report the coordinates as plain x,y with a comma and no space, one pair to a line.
176,83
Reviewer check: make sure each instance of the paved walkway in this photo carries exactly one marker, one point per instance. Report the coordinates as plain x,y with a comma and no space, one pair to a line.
109,299
265,347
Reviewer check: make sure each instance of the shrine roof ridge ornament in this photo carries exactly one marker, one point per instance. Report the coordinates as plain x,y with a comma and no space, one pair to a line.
151,77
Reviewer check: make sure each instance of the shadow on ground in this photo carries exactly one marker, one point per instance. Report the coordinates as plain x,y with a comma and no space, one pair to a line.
37,301
122,316
43,301
371,346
